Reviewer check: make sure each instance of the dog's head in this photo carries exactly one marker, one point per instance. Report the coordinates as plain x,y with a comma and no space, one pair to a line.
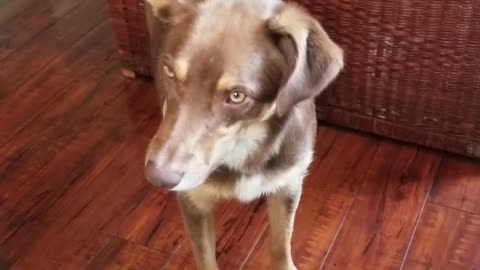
226,67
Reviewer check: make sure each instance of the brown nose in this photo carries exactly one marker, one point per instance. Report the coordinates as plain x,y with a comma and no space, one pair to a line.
162,176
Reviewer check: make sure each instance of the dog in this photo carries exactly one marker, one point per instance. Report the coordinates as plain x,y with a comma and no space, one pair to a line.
237,80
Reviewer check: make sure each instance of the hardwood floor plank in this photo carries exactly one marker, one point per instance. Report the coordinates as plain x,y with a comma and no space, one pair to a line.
155,223
80,65
342,160
239,226
72,97
377,231
90,150
446,239
33,149
23,20
10,9
458,185
260,257
40,52
121,254
236,243
95,206
79,255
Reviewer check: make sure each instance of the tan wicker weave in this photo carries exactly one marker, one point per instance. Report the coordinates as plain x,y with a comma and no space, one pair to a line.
412,66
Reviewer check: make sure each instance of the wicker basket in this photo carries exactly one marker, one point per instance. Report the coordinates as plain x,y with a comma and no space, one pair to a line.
412,66
129,24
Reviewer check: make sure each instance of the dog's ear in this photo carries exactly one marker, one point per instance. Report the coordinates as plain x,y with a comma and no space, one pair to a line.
313,60
157,15
160,16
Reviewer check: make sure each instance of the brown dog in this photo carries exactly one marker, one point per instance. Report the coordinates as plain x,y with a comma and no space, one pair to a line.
237,80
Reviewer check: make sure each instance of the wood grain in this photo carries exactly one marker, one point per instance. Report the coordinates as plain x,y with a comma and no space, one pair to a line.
63,204
155,223
11,9
77,218
458,185
33,157
236,243
123,255
446,239
69,71
378,228
35,15
40,52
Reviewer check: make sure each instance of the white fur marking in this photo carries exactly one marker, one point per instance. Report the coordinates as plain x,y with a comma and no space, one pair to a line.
164,108
249,188
269,112
181,69
244,144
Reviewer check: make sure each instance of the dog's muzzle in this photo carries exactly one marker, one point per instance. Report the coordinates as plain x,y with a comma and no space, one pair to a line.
162,175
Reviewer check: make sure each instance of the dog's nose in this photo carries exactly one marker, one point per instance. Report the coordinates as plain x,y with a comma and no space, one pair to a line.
162,176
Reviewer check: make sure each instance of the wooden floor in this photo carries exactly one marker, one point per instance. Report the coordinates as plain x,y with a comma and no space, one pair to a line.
73,134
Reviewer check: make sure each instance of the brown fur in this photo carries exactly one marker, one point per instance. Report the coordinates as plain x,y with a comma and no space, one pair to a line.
281,58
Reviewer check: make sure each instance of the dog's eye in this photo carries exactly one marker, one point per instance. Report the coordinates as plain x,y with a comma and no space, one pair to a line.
236,97
168,71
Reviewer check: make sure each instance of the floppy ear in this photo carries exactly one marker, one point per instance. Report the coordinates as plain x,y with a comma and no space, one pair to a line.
157,15
160,16
313,59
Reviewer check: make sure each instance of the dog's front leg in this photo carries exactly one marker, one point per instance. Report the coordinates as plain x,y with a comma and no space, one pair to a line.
200,224
281,213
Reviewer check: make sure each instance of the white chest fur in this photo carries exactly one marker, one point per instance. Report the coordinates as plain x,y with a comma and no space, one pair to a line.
252,187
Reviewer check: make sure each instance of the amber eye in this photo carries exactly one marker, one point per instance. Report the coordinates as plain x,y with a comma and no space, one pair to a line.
168,71
236,97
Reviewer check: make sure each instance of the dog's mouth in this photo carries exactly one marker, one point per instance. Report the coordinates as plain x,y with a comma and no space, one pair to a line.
192,180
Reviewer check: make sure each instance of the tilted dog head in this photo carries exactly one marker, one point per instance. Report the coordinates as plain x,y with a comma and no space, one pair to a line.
226,68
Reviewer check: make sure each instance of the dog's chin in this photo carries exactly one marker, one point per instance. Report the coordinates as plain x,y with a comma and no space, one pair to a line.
191,181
